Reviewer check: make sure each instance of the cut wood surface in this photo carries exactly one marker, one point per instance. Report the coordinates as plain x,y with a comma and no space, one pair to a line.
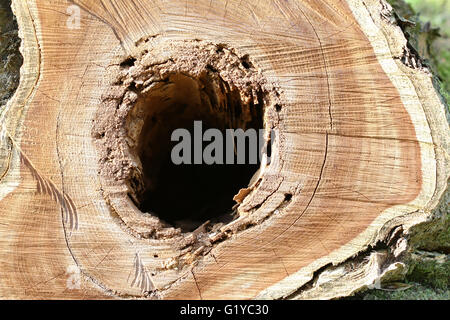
361,154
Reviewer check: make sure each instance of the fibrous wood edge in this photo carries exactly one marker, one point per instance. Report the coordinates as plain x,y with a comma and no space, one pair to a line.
373,267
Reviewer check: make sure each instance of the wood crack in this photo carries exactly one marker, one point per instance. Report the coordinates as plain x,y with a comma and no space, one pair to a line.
325,66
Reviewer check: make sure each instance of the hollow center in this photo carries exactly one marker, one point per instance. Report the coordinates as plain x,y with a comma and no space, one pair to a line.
187,195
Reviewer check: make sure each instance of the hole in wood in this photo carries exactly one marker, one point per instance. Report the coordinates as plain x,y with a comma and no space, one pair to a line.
188,195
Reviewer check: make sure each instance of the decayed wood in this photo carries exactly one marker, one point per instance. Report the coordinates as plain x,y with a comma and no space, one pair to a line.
362,150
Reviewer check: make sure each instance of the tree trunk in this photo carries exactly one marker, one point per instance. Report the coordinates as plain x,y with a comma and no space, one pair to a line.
90,209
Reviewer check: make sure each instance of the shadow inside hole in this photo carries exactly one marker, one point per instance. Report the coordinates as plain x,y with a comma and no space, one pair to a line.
188,195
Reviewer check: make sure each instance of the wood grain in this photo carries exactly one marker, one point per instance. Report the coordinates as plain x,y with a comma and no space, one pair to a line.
355,149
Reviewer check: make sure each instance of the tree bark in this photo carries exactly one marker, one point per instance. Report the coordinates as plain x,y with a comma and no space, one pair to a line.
359,163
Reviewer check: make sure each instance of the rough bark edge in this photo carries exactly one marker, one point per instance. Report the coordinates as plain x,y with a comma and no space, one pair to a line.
387,255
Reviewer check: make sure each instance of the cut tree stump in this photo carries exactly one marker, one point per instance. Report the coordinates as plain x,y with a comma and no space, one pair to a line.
89,207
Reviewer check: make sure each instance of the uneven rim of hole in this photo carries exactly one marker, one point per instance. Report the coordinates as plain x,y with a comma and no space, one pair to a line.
132,80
